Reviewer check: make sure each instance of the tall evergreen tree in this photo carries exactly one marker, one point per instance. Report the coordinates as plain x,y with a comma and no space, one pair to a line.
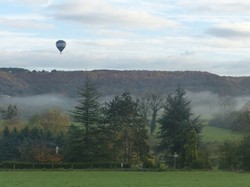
74,147
87,117
179,131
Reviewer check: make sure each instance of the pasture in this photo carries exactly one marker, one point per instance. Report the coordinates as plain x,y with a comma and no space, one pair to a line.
212,134
123,179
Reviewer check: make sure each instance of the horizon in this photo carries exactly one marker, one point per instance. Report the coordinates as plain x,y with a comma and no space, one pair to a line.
119,70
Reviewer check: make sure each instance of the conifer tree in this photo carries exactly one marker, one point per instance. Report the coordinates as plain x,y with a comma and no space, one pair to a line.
87,118
179,131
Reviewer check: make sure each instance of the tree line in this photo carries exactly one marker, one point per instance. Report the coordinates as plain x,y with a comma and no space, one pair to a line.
22,82
117,132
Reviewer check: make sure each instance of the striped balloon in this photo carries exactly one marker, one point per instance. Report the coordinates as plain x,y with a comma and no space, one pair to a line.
60,44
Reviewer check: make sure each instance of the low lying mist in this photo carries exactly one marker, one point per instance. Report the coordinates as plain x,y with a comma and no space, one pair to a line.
207,103
28,106
203,103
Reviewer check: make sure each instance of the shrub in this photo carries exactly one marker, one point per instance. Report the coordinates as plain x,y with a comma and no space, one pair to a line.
149,162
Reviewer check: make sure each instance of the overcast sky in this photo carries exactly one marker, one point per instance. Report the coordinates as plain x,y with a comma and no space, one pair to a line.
167,35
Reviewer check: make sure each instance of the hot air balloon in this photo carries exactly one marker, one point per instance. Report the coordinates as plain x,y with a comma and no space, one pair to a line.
60,44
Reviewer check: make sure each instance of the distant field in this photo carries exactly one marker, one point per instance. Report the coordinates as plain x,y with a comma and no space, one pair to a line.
211,134
122,179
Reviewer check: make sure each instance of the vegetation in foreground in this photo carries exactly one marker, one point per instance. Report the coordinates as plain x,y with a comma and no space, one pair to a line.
116,132
122,179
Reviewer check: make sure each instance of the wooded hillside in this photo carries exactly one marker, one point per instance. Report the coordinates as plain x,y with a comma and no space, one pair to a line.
22,82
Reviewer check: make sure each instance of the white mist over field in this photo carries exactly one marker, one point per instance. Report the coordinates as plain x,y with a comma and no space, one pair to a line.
208,103
28,106
203,103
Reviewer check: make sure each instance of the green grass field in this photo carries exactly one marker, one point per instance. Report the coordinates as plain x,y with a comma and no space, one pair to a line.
123,179
211,134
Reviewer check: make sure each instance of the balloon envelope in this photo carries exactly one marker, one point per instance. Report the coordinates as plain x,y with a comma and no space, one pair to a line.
60,44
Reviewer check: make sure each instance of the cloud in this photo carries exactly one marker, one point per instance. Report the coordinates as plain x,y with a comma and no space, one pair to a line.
158,53
230,30
227,33
25,22
20,42
187,53
105,14
32,2
213,6
206,35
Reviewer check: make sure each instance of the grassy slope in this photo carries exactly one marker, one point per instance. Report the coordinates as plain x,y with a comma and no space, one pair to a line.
211,134
122,179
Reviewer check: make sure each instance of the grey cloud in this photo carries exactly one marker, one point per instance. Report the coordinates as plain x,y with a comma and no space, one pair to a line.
98,13
187,53
218,7
227,33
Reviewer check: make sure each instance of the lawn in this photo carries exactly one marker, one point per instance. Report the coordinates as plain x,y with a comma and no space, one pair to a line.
123,179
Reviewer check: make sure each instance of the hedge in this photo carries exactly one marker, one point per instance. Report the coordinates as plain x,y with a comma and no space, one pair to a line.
64,165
